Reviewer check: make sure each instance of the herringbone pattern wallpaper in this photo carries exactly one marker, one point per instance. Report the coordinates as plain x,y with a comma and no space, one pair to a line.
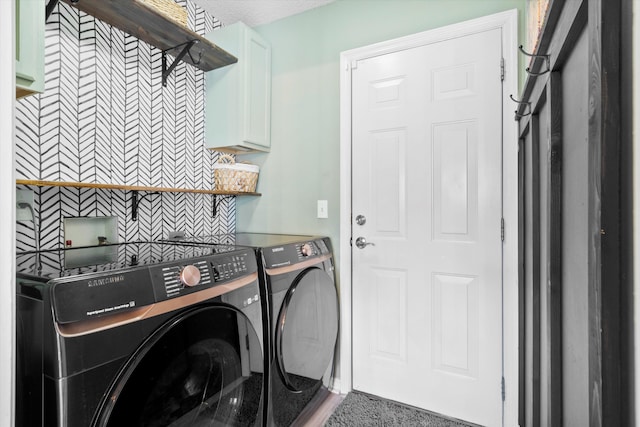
106,118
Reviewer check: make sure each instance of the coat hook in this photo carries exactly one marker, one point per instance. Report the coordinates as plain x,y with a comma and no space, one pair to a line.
527,104
546,60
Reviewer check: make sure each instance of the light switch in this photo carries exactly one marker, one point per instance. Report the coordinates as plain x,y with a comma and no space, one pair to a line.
323,209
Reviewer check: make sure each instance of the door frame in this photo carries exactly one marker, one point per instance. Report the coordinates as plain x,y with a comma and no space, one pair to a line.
8,216
508,22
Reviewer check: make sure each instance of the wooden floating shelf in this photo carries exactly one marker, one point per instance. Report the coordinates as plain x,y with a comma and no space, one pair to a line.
135,188
41,183
140,20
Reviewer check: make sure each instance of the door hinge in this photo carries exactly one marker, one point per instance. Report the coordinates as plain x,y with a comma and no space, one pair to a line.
504,393
502,229
502,69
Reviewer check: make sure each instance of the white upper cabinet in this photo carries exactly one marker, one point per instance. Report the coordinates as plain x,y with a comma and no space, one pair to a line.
29,47
238,96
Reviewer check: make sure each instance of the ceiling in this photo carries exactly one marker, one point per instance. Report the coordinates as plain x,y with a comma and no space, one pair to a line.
256,12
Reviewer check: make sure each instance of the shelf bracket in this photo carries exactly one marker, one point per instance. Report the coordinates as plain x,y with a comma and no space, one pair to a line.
186,48
49,9
135,201
216,202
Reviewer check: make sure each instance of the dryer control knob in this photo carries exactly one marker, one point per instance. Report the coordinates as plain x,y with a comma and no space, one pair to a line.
306,249
190,275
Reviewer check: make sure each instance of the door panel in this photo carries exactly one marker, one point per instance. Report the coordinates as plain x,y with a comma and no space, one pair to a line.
455,328
389,318
455,166
427,176
388,150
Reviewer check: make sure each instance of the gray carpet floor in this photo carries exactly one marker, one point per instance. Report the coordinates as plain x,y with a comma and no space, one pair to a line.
360,409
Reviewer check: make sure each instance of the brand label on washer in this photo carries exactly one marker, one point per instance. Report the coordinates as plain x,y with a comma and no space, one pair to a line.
105,281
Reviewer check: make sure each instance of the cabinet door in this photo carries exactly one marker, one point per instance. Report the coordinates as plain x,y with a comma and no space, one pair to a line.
29,47
257,102
238,96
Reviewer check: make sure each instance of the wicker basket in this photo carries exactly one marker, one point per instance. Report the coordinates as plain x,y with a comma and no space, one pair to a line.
231,176
170,9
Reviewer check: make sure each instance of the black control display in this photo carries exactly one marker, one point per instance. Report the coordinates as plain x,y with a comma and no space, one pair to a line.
228,268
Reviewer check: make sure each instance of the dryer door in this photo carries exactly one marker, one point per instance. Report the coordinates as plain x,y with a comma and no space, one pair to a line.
307,329
195,370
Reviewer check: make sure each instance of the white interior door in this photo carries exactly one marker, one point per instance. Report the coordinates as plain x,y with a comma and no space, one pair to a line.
426,162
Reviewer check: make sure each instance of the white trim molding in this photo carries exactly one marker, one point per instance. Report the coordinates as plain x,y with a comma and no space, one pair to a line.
636,203
7,215
508,23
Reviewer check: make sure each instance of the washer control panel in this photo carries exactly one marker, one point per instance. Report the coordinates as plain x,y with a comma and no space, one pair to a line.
292,253
175,278
191,275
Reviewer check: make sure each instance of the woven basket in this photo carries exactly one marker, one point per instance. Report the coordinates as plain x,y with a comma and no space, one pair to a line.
170,9
231,176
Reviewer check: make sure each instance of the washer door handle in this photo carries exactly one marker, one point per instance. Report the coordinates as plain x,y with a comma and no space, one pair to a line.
361,243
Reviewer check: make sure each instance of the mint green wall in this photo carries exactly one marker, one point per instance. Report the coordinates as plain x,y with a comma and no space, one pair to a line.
303,165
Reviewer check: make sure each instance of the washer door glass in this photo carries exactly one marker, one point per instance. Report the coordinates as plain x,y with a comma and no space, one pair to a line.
202,368
307,329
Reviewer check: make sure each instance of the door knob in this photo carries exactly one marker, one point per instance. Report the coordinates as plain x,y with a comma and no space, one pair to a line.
361,220
361,243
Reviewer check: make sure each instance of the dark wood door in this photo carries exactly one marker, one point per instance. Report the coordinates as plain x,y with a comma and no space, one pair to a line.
575,282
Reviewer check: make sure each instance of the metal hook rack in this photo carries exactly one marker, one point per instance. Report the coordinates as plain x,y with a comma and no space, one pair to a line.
546,58
527,104
135,201
186,49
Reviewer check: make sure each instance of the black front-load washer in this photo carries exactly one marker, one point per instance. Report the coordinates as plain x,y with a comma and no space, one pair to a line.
147,334
300,304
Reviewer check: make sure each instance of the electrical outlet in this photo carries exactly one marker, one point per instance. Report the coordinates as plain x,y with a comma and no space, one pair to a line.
323,209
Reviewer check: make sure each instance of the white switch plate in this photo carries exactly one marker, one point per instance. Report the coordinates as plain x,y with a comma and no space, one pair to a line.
323,209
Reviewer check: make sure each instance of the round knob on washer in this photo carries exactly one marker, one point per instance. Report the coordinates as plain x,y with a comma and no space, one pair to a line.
306,249
190,275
